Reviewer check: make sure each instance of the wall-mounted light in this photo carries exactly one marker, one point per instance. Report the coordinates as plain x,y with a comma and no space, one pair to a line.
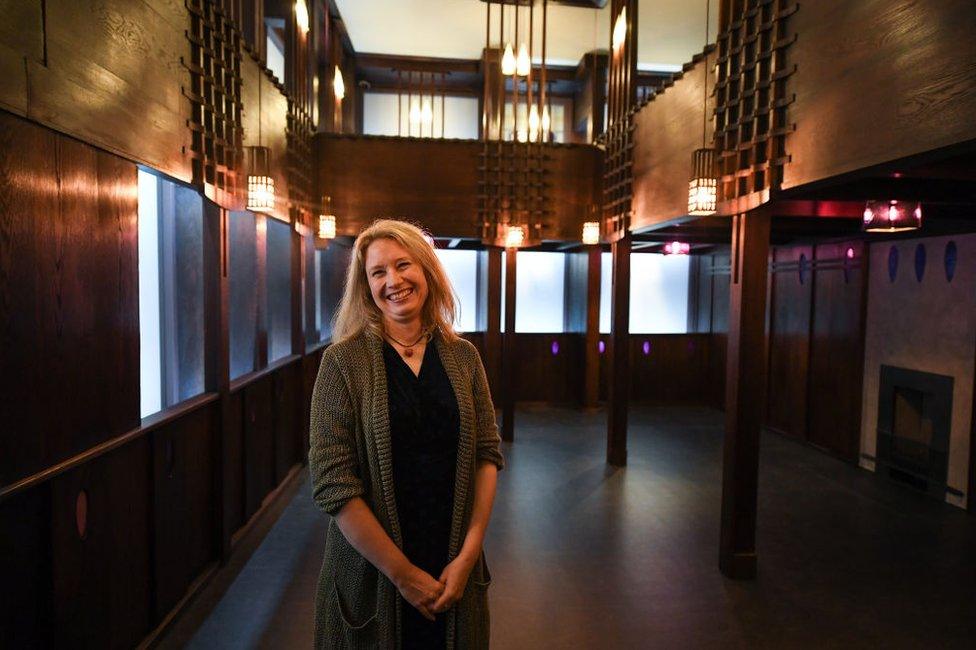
891,216
620,29
677,248
338,86
514,236
591,232
702,188
301,16
522,63
260,184
326,231
509,64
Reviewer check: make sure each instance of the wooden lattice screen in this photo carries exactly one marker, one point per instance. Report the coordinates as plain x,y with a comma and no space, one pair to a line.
752,121
618,174
215,95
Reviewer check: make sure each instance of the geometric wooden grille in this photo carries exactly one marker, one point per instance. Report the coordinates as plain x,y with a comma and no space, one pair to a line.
299,155
751,99
215,95
618,173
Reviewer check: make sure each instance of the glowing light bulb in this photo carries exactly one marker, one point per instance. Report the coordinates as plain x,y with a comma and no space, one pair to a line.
591,232
546,123
508,61
515,236
338,86
301,16
620,29
533,122
522,64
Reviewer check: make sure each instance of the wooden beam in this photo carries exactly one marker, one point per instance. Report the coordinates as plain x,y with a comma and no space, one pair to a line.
591,355
492,287
619,375
744,394
509,351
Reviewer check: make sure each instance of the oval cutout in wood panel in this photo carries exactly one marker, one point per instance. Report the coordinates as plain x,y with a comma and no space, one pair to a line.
81,514
920,262
950,260
893,263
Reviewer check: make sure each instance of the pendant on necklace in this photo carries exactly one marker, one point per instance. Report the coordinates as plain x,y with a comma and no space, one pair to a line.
408,352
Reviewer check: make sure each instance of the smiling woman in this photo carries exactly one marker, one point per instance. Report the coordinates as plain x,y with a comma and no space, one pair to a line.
404,455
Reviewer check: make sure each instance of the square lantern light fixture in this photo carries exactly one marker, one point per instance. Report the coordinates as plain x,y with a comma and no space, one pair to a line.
260,184
703,187
514,236
326,231
301,16
891,216
591,232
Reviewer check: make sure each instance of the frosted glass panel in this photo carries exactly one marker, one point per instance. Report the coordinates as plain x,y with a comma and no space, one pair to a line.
386,114
462,269
606,281
658,293
243,293
279,289
150,337
171,307
539,287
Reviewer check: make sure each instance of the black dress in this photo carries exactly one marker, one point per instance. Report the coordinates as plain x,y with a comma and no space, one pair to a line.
424,430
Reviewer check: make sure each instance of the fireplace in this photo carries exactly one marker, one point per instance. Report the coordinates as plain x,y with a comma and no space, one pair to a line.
914,415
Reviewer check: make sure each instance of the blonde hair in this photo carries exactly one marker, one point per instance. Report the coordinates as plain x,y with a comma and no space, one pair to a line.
357,310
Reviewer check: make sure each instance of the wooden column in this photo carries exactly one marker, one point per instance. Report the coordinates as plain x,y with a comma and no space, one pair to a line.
591,354
744,394
217,244
619,375
508,352
492,305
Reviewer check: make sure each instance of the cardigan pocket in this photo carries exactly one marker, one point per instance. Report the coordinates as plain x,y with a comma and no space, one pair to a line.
355,593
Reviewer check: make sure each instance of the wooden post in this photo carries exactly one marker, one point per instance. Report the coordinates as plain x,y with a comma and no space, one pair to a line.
591,354
508,352
493,322
619,375
744,394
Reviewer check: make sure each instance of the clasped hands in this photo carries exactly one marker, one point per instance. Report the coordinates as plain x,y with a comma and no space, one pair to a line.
430,596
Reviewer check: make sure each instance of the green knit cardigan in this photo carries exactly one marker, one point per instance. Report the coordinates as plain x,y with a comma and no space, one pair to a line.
356,606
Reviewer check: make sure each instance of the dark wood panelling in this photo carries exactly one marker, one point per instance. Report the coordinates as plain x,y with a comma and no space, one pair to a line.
435,183
101,582
234,463
259,448
70,302
25,565
789,340
922,78
542,376
184,518
674,370
100,60
667,131
837,350
287,431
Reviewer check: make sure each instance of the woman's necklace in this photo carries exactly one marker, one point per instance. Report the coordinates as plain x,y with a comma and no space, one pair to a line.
407,347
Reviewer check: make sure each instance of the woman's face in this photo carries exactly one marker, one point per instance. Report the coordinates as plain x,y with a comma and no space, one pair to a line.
396,280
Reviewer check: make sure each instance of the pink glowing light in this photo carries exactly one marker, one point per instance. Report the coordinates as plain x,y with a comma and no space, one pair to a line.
676,248
601,346
850,253
555,348
647,347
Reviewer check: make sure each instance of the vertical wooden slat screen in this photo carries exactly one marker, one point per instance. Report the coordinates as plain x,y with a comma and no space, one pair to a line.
751,99
621,100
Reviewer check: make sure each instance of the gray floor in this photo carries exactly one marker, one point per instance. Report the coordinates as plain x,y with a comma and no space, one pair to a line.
586,556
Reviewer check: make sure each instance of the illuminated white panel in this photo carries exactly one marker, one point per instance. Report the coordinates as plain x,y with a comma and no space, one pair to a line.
462,269
150,336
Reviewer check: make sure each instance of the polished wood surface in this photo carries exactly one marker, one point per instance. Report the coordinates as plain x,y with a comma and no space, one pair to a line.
745,395
924,88
791,303
667,130
435,183
837,348
618,389
510,360
68,298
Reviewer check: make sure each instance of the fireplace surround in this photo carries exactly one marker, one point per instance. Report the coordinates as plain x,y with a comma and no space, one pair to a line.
914,419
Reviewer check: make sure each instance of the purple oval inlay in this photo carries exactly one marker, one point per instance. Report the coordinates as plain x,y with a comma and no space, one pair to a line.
647,347
555,347
601,346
